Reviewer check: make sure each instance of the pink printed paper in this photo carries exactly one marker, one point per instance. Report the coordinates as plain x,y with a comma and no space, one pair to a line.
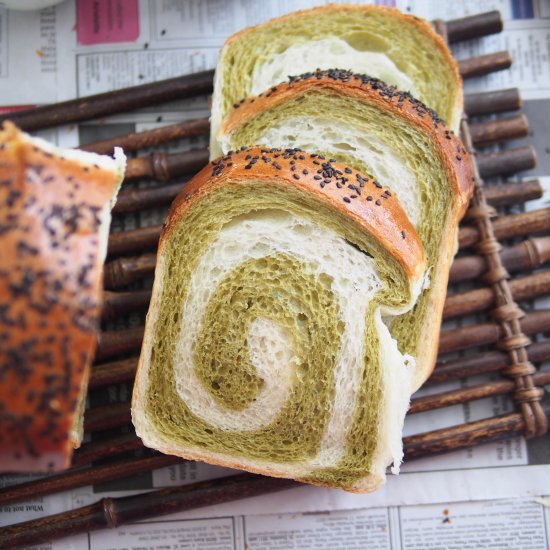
107,21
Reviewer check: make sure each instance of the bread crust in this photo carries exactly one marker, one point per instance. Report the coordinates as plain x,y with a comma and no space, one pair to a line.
382,216
52,205
375,92
420,24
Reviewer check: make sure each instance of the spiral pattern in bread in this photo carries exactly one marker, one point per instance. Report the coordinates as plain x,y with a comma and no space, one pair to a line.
265,347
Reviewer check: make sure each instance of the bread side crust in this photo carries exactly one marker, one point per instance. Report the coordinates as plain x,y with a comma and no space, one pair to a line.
385,221
54,216
422,25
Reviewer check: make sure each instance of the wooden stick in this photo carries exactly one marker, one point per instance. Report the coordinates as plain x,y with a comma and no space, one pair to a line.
164,166
483,133
525,256
124,370
480,299
486,103
483,363
506,162
466,395
456,305
119,101
464,436
150,138
489,333
509,193
112,416
87,476
474,26
113,512
135,97
116,342
146,238
484,64
506,227
115,372
134,200
134,241
495,131
106,448
123,271
107,416
119,303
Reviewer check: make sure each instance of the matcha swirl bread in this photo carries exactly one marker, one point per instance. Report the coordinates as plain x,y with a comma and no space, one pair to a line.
383,42
55,211
264,345
393,138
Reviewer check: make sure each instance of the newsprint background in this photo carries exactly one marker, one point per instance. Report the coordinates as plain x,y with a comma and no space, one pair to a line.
495,496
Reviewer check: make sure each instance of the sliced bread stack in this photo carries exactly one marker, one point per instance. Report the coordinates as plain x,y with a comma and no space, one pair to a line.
301,276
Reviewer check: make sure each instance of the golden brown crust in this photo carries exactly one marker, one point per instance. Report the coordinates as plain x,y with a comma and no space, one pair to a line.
374,92
348,191
421,25
50,285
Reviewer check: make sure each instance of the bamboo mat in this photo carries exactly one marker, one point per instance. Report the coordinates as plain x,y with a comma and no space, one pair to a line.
501,266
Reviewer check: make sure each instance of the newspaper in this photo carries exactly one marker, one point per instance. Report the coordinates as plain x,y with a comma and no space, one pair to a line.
437,502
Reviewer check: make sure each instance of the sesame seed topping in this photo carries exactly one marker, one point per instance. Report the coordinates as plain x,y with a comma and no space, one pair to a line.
346,199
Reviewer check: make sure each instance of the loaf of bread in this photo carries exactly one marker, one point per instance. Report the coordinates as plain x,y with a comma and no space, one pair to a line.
54,221
382,42
393,138
264,344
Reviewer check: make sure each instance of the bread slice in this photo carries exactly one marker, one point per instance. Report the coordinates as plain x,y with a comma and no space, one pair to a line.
391,137
383,42
264,345
55,209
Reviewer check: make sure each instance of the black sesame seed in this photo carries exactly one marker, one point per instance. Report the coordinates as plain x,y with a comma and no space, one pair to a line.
346,199
305,172
296,176
369,198
458,157
378,203
347,170
317,178
403,234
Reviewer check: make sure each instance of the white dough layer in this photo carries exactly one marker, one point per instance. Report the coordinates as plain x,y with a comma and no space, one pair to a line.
328,53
